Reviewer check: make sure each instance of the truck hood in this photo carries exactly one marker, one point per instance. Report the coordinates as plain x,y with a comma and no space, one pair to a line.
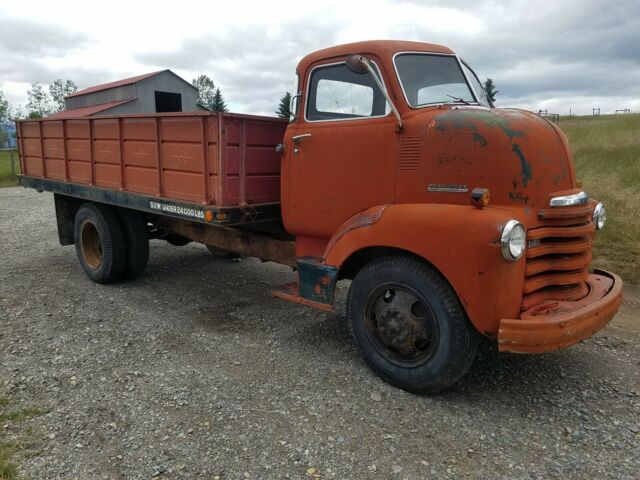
521,157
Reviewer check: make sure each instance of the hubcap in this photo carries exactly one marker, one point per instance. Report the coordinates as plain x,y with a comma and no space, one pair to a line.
91,245
401,325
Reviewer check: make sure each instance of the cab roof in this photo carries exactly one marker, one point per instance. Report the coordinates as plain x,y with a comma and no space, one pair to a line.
381,48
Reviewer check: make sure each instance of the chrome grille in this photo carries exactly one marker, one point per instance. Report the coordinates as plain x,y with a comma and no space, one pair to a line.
558,255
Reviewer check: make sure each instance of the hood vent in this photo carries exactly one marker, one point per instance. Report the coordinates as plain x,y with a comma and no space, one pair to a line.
410,148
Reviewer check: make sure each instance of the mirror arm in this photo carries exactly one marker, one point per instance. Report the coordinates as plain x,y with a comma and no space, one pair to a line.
293,107
373,73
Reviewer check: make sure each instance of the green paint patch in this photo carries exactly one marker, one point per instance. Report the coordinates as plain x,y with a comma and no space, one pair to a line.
479,139
469,119
524,164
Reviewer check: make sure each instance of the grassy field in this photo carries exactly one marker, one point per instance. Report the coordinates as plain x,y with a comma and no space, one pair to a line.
6,179
607,156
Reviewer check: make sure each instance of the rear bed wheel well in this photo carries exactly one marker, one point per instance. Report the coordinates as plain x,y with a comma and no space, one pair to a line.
66,210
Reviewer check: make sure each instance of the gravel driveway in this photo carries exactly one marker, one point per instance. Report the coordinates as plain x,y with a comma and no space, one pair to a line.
195,371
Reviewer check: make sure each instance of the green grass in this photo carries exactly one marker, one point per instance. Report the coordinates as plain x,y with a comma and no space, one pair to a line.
20,415
8,469
6,179
607,156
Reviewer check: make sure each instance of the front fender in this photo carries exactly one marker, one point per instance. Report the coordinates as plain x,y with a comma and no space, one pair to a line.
462,242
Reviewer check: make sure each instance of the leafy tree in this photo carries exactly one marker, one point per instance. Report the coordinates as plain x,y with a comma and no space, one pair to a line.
206,91
490,90
219,104
60,89
38,101
16,113
284,109
4,106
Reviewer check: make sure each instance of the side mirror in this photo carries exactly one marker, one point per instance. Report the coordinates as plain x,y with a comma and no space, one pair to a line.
357,64
293,107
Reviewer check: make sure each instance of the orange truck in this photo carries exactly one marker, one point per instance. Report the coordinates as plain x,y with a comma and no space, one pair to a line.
453,219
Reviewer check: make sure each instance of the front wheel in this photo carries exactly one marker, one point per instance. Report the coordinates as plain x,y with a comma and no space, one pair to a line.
410,325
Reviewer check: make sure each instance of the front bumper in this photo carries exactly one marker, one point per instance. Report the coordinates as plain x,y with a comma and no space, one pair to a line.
552,325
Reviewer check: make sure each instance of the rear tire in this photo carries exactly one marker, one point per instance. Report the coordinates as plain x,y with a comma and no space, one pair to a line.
100,243
134,226
410,325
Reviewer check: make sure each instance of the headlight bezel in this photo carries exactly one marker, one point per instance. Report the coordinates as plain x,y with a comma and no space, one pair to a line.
599,216
507,238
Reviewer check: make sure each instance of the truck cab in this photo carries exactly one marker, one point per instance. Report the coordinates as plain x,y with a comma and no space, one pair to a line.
394,152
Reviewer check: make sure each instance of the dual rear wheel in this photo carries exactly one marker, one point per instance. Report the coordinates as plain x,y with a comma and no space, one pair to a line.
111,245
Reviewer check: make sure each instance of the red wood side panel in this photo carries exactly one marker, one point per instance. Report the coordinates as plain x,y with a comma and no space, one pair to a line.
140,155
31,148
79,151
182,155
262,169
53,146
216,169
106,153
217,159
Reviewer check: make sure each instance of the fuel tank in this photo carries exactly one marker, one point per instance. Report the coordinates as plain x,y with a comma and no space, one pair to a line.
521,157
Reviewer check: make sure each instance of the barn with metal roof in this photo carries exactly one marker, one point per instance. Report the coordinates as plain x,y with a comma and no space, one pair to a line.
162,91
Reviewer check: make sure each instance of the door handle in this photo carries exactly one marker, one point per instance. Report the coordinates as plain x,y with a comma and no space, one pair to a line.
298,138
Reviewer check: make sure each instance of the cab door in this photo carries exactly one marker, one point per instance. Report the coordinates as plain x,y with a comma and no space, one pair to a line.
342,154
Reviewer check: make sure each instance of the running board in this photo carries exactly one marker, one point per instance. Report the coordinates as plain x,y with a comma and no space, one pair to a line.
315,287
291,293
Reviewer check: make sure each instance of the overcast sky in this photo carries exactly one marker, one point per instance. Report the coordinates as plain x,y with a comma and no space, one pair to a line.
556,55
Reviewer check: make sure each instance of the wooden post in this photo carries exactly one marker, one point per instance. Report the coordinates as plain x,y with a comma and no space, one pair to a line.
44,164
221,166
243,162
159,152
91,159
205,157
21,153
121,147
64,151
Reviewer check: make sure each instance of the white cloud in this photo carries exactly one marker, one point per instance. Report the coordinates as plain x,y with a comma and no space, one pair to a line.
566,54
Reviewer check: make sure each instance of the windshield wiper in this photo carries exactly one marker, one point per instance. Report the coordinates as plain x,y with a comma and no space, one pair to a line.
458,99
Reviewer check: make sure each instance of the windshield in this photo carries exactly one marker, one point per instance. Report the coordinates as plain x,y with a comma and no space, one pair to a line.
428,79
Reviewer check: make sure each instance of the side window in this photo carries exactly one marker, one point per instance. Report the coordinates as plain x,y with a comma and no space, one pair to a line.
477,86
336,92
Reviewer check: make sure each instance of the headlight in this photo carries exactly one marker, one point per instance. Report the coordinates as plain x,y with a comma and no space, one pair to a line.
599,216
514,240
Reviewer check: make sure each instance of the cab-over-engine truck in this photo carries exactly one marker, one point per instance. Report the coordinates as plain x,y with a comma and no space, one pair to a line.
452,218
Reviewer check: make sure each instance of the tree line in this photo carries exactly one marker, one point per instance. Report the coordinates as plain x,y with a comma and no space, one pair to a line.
40,102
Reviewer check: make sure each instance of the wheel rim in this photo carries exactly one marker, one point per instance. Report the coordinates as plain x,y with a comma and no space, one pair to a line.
401,325
91,245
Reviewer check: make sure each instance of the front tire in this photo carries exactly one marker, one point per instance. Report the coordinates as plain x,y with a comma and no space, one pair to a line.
410,325
100,243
